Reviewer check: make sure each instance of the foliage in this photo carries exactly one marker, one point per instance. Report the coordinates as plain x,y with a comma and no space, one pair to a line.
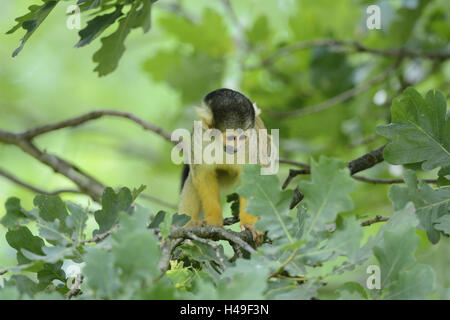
125,264
132,14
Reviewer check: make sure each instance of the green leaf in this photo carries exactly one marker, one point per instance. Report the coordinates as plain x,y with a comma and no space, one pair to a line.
165,225
14,213
180,220
21,238
416,283
25,285
185,72
327,194
400,222
269,203
9,292
305,291
339,19
101,276
430,204
157,219
112,204
76,221
113,47
96,26
420,130
234,200
52,208
352,291
48,296
443,224
51,254
142,260
246,280
396,254
260,32
330,72
50,272
346,239
143,18
203,36
31,21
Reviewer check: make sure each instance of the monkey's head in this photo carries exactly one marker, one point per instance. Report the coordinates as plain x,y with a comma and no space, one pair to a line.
227,109
230,112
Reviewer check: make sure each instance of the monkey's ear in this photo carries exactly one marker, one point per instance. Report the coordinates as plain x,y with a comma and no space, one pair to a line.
257,110
205,115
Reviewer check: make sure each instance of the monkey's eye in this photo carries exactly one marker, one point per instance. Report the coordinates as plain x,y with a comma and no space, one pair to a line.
242,137
230,138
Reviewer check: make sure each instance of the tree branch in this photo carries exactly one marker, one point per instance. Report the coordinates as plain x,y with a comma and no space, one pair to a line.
341,97
346,44
294,163
386,181
374,220
86,183
16,180
216,233
101,236
73,122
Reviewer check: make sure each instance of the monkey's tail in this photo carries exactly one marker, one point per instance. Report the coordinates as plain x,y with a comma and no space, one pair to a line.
184,175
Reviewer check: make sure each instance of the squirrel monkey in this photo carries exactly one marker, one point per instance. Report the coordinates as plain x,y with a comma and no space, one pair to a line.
231,113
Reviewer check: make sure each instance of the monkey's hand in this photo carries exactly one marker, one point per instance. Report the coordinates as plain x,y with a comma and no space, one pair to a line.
257,235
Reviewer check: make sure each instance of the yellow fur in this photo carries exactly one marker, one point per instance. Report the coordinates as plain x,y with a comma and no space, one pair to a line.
245,218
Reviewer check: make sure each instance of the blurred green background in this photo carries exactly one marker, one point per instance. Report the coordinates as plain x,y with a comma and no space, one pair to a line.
195,47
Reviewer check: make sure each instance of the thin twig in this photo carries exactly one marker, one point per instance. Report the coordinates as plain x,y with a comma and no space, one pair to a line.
341,97
26,185
294,163
237,251
374,220
364,140
386,181
101,236
356,46
73,122
157,200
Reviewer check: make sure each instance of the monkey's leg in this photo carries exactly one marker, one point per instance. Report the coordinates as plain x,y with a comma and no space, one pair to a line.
190,202
248,221
207,186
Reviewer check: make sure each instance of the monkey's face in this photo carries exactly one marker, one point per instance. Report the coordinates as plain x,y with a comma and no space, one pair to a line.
234,140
